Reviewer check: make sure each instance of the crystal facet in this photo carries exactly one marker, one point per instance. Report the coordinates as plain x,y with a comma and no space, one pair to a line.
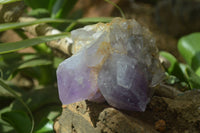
117,61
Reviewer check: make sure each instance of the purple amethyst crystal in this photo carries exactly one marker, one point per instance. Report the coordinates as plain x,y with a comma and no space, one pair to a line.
116,61
124,83
75,81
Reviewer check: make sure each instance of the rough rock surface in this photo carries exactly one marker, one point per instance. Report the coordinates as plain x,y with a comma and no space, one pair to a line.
170,114
178,112
88,117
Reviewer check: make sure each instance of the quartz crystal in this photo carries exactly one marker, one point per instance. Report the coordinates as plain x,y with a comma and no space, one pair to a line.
117,61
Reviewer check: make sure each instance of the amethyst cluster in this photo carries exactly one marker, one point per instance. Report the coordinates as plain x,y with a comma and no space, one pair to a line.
117,62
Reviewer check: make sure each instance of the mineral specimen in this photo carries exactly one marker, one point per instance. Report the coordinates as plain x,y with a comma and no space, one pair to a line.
117,61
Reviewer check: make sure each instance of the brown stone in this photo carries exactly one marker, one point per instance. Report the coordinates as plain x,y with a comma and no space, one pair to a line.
177,115
160,125
180,114
89,117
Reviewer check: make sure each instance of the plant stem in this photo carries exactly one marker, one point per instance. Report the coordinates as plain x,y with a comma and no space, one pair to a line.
115,5
5,86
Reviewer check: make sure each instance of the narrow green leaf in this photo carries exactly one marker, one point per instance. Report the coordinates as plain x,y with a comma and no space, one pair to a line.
88,20
8,26
7,1
94,19
51,4
15,25
115,5
19,120
11,47
39,13
35,62
71,26
189,48
57,8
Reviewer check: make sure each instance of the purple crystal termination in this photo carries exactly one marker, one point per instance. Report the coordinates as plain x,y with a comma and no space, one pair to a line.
117,61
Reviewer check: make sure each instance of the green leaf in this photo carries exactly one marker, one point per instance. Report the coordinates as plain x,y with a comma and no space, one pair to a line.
19,120
198,71
42,48
50,112
45,126
39,66
14,46
5,86
115,5
189,48
44,74
37,3
4,126
94,19
171,59
51,4
61,8
174,68
4,94
7,1
21,61
38,98
6,69
170,79
88,20
39,13
36,62
57,61
7,26
47,75
57,8
193,79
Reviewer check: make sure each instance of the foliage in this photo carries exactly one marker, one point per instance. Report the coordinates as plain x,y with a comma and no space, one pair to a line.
7,1
11,47
189,48
56,8
7,26
34,108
